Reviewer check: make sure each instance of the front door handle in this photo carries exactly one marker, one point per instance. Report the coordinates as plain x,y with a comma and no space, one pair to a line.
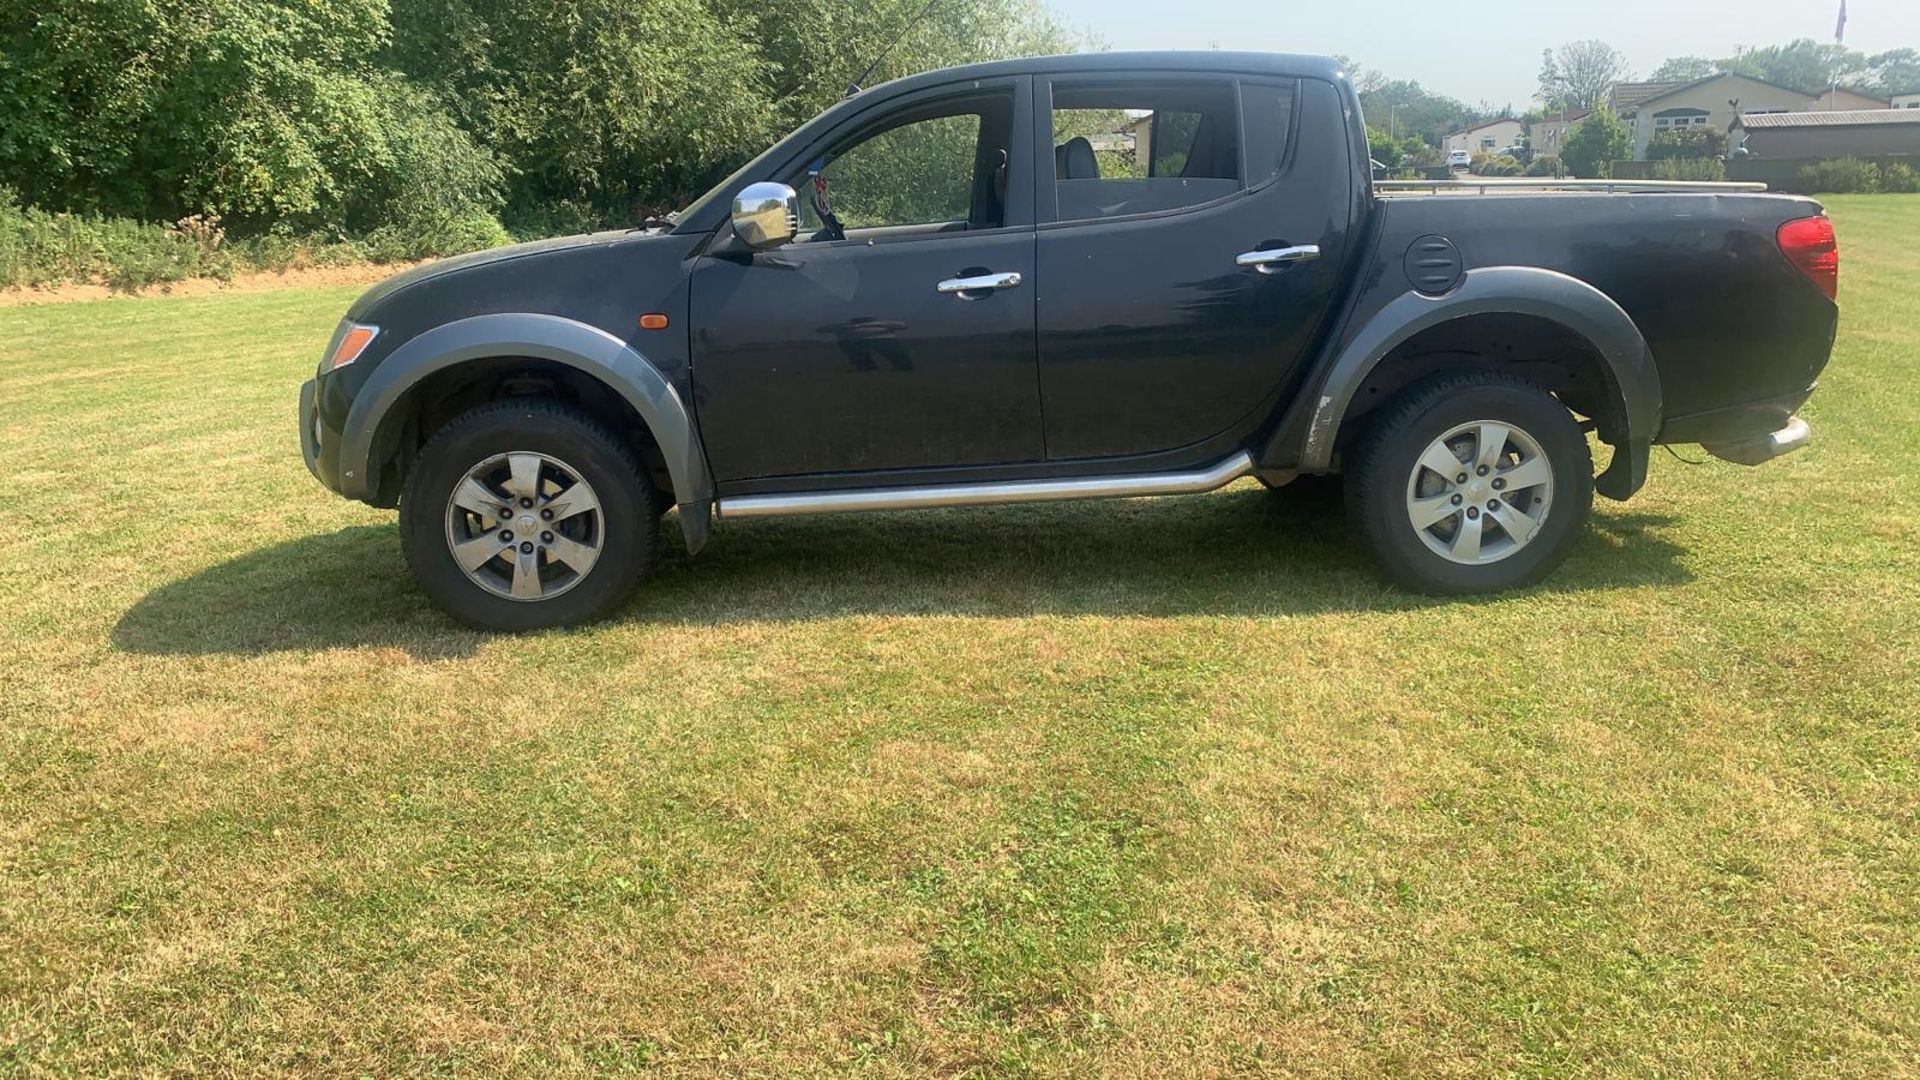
1277,259
982,283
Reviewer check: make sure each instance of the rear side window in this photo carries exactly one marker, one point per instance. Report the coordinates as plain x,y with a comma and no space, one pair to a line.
1136,149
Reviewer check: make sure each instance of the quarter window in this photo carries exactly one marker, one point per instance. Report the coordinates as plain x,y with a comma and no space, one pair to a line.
1266,126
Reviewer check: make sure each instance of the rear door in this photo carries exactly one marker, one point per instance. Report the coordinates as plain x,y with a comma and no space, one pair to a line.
1191,239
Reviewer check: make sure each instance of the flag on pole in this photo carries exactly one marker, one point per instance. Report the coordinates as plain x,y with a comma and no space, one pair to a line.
1840,27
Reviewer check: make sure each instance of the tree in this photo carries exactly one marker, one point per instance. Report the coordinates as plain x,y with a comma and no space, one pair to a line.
1805,65
1684,69
1407,108
1811,67
1595,143
356,115
1896,71
258,110
1579,74
1365,80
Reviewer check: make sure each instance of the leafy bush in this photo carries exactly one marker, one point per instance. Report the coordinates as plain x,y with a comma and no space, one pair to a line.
431,236
1900,178
1687,143
1547,165
41,248
1841,176
38,247
1595,142
1689,169
1409,151
1497,165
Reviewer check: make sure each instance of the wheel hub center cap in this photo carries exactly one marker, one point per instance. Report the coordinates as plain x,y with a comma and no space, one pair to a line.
526,523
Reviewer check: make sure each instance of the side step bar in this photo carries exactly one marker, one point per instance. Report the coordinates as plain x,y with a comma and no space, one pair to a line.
1217,475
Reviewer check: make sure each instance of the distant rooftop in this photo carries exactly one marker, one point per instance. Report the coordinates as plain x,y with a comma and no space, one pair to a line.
1840,118
1628,97
1628,94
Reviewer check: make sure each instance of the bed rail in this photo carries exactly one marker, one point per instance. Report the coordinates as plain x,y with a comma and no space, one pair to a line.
1494,185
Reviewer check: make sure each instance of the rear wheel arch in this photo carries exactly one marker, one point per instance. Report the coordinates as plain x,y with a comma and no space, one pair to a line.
1496,319
441,374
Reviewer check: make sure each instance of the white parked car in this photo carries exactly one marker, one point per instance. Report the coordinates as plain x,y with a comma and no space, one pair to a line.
1459,159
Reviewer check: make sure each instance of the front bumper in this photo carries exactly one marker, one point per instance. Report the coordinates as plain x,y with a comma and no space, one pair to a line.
320,447
1763,448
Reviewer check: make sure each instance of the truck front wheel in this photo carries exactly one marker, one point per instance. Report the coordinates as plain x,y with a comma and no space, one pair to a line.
526,514
1471,483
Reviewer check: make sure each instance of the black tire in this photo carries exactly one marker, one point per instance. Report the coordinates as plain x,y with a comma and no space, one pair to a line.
628,527
1389,449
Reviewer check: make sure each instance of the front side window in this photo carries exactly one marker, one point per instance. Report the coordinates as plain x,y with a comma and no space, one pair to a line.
937,168
1135,149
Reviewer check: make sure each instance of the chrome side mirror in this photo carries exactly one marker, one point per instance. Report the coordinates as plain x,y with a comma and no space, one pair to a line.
766,214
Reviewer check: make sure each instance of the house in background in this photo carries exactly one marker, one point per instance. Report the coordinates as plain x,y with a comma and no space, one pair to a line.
1487,138
1849,133
1546,137
1648,108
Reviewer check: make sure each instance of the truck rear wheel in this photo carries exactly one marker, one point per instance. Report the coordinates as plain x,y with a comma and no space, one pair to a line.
527,514
1471,483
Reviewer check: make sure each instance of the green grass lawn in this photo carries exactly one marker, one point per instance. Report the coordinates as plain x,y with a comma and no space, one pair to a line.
1167,787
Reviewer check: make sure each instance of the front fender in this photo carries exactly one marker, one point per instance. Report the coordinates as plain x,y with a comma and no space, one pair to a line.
588,349
1633,380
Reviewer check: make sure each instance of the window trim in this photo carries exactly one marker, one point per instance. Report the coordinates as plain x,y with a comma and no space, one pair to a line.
1045,201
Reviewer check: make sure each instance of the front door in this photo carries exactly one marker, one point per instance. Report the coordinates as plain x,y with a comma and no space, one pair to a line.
897,332
1190,246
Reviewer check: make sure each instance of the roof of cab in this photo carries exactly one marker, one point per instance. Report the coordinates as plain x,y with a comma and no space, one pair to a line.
1254,63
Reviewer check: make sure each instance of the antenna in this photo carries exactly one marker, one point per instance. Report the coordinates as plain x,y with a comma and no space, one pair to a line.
854,86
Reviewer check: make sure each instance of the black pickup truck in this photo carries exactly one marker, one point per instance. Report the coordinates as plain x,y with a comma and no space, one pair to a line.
1066,278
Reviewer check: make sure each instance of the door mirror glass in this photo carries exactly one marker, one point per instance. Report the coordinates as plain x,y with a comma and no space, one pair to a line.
766,214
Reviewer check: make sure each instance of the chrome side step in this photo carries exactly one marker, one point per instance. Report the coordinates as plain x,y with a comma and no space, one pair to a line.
1219,474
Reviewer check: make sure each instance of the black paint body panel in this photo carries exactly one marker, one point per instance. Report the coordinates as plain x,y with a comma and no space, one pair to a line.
841,357
1152,339
605,280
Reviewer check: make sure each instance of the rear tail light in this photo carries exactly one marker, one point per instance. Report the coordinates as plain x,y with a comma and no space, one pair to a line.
1809,244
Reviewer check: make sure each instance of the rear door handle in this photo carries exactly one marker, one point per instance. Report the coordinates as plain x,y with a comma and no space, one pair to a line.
982,283
1277,259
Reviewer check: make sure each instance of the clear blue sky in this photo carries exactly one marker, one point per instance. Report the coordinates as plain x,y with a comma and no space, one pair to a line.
1479,50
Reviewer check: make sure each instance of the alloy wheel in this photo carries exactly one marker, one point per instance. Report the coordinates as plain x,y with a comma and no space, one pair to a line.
1480,492
524,526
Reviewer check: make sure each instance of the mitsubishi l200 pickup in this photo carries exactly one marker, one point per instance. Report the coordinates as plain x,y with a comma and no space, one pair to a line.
1066,278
